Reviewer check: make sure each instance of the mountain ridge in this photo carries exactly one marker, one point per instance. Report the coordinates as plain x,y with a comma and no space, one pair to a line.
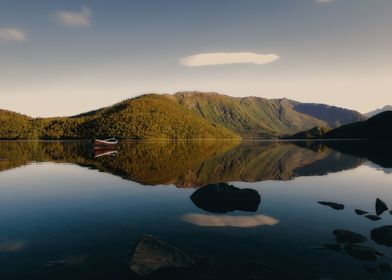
183,115
378,111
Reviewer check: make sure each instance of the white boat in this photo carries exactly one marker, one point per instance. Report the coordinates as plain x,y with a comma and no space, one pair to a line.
106,142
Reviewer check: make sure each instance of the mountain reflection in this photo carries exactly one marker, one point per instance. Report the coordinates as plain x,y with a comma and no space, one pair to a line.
187,163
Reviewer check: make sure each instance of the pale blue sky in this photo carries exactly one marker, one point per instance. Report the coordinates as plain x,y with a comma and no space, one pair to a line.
66,57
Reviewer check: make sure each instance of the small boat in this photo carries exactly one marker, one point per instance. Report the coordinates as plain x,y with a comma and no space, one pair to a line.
105,143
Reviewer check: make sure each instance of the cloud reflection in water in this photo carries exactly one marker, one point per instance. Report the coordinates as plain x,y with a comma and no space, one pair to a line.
229,221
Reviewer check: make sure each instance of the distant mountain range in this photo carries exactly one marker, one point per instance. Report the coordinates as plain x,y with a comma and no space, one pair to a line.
185,115
378,111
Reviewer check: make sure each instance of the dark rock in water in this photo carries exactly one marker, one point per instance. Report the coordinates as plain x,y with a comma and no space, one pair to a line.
334,205
204,262
390,212
382,235
362,253
360,212
332,247
385,267
257,269
370,269
151,255
346,236
381,207
223,198
373,217
56,263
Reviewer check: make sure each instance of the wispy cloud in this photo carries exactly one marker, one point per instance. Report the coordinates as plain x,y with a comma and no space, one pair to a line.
12,34
205,59
74,19
229,221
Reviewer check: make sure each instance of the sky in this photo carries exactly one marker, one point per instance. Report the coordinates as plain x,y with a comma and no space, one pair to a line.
64,57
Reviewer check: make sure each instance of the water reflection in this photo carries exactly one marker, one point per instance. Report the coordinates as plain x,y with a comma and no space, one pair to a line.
187,164
229,221
9,246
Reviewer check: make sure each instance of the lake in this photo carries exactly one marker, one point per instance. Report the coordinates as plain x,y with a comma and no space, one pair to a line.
69,213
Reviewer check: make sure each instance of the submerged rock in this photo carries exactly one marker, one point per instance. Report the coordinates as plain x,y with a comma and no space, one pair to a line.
385,267
334,205
373,217
363,253
223,198
151,255
360,212
332,247
370,269
57,263
381,207
346,236
382,235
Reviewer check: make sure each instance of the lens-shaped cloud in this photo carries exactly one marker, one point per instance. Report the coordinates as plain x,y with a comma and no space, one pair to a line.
205,59
229,221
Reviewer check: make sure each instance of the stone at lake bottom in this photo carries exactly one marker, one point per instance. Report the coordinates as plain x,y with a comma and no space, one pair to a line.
346,236
370,269
373,217
382,235
381,207
385,267
334,205
56,263
363,253
223,198
332,247
151,255
360,212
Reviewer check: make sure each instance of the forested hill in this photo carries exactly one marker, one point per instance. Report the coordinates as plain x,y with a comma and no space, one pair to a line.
146,117
191,115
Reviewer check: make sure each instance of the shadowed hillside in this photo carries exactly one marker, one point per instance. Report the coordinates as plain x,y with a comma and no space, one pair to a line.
333,116
375,128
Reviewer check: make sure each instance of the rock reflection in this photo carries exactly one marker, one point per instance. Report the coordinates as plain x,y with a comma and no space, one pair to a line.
382,235
229,221
363,253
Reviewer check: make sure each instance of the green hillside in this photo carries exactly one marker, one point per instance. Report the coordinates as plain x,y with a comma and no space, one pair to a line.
145,117
251,117
14,125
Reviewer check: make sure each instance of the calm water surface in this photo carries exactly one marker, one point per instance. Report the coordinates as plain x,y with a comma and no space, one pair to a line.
61,202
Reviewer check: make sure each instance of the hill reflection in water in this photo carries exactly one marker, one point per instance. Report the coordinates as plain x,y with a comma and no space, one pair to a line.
189,163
